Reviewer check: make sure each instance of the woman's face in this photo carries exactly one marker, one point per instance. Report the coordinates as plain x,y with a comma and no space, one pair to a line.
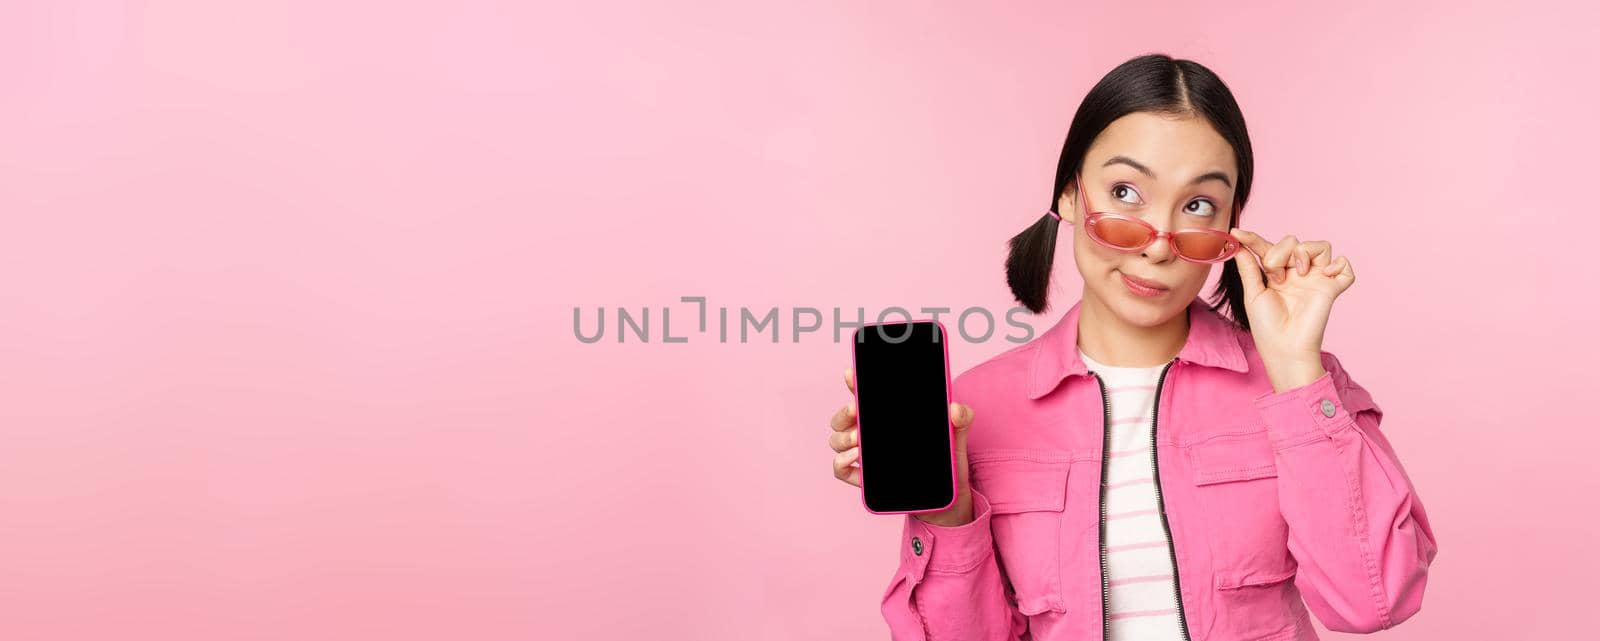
1174,173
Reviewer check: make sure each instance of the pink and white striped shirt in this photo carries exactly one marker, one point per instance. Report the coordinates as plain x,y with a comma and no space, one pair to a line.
1138,561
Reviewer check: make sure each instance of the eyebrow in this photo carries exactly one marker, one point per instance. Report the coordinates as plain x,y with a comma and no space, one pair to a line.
1124,160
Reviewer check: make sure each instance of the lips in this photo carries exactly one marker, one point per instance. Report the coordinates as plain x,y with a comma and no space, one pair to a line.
1143,282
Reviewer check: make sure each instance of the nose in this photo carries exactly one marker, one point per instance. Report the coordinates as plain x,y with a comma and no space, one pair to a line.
1159,250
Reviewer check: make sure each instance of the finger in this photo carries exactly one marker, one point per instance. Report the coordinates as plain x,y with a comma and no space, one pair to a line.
1277,256
853,476
1334,267
1249,266
842,467
1276,260
1346,275
850,379
1252,240
841,441
960,416
1255,244
1320,251
844,418
1342,271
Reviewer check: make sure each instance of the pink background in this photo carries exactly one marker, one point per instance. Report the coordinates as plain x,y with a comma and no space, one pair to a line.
286,344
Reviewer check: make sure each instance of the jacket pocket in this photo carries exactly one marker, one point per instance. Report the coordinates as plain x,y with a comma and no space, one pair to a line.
1027,493
1237,483
1236,479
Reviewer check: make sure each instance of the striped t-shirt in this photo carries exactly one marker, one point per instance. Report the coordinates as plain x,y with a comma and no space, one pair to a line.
1138,562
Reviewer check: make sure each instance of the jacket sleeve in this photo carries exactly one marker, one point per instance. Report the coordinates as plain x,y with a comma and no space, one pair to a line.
949,585
1357,528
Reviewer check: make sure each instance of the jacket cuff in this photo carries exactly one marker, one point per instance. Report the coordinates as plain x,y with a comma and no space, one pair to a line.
1305,413
957,549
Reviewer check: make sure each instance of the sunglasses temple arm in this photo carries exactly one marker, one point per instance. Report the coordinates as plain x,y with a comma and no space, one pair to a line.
1239,220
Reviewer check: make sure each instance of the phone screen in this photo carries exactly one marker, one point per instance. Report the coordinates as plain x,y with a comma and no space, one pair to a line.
902,409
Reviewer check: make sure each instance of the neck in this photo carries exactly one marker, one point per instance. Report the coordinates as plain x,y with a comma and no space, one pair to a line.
1107,338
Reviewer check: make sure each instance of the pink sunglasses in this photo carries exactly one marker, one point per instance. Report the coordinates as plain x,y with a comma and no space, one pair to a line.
1129,234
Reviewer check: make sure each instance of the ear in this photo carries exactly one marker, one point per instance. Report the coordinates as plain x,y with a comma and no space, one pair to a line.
1067,205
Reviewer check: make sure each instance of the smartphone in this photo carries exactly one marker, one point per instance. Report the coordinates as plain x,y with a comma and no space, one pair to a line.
907,456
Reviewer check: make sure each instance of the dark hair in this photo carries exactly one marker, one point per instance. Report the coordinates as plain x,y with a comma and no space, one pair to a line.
1154,83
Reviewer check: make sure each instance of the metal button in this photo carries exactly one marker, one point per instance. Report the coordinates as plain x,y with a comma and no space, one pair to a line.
1327,408
916,546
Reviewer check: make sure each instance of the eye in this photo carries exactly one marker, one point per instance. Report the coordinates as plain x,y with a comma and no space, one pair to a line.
1200,207
1120,190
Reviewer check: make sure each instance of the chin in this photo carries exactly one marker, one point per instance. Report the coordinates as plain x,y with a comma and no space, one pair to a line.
1139,312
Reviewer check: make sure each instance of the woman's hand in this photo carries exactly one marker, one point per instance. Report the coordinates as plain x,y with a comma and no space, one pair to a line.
1289,311
846,441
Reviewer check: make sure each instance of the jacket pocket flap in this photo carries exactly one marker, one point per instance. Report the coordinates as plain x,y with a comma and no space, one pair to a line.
1235,457
1021,480
1265,574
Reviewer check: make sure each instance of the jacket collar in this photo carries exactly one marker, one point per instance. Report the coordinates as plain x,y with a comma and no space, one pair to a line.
1211,342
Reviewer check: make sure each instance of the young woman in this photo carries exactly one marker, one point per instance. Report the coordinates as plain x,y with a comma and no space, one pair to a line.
1149,468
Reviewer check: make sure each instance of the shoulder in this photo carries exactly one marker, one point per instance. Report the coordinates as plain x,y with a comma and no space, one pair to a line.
997,390
1008,372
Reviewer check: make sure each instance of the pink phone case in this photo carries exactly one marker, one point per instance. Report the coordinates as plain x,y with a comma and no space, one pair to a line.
944,344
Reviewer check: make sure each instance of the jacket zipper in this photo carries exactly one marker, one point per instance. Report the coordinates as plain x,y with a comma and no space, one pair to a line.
1155,472
1105,462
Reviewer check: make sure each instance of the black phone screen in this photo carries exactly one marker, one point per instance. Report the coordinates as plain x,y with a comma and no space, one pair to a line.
902,411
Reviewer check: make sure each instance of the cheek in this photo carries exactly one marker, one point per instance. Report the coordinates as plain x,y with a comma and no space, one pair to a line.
1192,276
1088,253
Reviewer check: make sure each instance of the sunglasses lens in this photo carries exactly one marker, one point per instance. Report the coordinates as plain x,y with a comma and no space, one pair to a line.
1121,233
1199,245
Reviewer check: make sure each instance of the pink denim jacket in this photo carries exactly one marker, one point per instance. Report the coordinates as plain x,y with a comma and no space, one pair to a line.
1277,503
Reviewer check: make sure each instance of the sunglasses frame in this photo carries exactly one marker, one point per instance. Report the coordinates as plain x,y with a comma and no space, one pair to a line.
1231,245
